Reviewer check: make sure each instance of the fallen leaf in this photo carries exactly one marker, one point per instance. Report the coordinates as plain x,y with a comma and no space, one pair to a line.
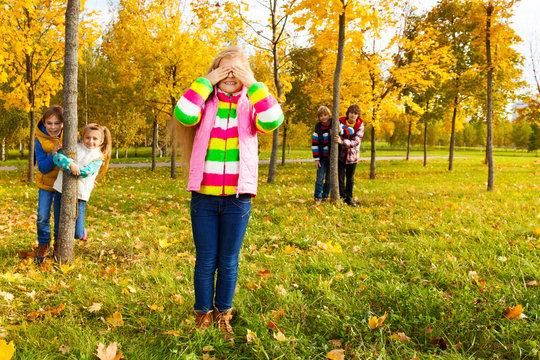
252,286
171,332
335,343
279,336
109,353
208,348
6,350
116,320
95,307
400,337
156,308
532,283
337,354
264,273
375,322
64,349
515,313
251,336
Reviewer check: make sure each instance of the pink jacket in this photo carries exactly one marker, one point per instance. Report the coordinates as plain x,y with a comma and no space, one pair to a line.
248,145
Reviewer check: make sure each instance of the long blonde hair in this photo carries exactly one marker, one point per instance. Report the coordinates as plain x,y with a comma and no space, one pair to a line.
185,135
105,147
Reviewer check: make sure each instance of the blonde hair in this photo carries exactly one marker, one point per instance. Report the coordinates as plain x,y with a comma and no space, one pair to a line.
323,110
105,147
230,52
185,135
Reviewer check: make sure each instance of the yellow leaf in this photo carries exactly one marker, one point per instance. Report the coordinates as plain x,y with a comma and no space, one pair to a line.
109,353
172,332
337,354
208,348
375,322
251,336
116,320
156,308
279,336
6,350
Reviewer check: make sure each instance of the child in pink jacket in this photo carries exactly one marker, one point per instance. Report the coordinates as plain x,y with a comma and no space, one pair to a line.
228,107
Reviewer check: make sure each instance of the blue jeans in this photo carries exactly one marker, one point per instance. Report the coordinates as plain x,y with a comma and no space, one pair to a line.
79,223
323,175
46,199
219,224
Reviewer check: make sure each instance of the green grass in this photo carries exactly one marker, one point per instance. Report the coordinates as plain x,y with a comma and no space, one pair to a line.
408,250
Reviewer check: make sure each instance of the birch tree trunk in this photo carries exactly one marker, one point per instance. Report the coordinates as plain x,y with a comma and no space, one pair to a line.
68,213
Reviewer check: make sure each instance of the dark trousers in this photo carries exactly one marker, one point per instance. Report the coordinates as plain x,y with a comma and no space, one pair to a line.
346,172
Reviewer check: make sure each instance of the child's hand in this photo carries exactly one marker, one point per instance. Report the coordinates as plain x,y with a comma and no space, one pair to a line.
317,164
245,75
74,168
56,148
218,74
337,139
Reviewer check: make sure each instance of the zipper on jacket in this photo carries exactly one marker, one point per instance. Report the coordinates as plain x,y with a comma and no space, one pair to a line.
226,137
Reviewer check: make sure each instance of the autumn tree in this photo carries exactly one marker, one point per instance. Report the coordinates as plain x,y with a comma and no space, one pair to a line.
157,47
336,29
32,51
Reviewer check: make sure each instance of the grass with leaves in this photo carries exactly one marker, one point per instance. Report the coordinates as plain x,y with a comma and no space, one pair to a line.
429,265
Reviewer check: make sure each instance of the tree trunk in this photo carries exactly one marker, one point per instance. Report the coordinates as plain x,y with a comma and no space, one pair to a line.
21,148
273,156
425,133
334,148
68,213
409,140
372,164
453,136
154,143
173,144
3,149
116,152
284,145
489,144
126,154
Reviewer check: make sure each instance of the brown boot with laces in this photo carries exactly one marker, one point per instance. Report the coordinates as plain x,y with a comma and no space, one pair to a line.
222,320
203,320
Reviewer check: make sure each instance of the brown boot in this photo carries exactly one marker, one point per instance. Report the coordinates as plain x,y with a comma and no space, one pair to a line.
41,252
222,320
203,320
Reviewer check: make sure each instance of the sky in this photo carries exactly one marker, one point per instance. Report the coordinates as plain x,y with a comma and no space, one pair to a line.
525,23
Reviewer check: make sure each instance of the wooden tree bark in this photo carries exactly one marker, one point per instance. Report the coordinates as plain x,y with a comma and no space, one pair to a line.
32,116
489,144
173,141
334,185
409,140
284,145
425,134
279,88
154,143
453,136
68,213
372,163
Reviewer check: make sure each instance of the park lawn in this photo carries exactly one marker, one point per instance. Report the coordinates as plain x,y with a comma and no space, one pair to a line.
431,250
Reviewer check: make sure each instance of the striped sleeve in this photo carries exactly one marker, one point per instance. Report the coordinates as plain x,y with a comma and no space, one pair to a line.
268,113
188,109
315,146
